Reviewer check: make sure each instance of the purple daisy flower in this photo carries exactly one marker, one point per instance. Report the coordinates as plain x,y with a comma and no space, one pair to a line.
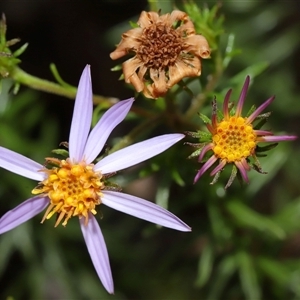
76,185
234,139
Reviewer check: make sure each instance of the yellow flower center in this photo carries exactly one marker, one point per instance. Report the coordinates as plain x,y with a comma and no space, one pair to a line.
234,139
73,190
160,46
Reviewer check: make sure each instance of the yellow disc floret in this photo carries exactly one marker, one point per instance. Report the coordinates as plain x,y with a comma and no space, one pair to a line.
234,139
73,190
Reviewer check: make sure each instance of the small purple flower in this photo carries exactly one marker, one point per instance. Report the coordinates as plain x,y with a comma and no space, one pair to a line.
75,186
234,139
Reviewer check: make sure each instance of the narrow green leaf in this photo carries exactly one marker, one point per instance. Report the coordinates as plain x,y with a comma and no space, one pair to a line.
133,24
253,71
57,76
247,217
224,272
163,192
220,230
16,88
229,51
116,68
205,119
276,270
288,217
61,152
248,276
205,265
271,164
21,50
177,178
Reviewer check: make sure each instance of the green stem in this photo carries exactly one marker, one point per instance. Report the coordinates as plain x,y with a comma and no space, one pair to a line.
173,116
198,101
39,84
153,5
21,77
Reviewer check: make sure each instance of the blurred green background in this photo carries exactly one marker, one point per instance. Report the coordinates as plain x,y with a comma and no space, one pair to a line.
245,242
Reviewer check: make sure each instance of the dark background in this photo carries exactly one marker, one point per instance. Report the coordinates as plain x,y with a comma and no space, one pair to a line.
145,264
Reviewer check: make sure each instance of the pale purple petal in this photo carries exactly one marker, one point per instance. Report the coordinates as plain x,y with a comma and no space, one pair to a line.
245,164
278,138
143,209
253,116
21,165
137,153
98,136
226,104
242,97
97,249
219,167
204,150
211,129
23,212
263,132
82,116
206,166
243,170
